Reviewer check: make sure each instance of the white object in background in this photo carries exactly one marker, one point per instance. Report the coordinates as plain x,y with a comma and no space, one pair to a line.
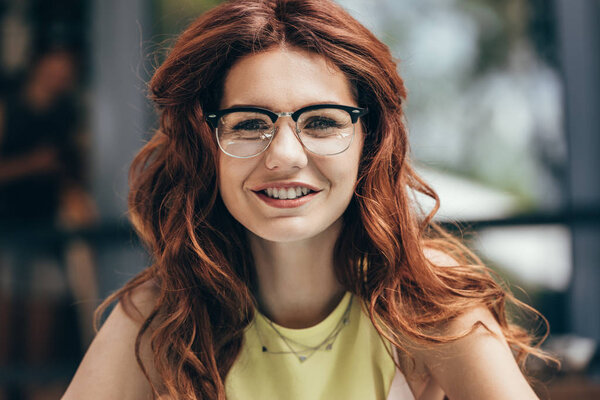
464,199
575,352
539,255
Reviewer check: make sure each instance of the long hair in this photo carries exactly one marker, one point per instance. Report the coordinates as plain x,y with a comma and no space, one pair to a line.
203,269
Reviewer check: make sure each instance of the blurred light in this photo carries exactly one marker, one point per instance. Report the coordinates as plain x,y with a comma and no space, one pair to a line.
445,46
482,101
464,199
536,255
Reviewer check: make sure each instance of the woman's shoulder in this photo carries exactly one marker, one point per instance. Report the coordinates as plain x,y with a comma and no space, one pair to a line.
140,301
109,369
439,258
481,353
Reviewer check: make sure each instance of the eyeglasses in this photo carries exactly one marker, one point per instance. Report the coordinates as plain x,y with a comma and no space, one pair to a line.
323,129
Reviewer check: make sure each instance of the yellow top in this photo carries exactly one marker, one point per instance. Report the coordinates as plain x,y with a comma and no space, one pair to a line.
357,366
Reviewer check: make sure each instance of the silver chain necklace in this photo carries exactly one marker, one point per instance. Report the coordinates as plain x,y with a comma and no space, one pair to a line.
305,352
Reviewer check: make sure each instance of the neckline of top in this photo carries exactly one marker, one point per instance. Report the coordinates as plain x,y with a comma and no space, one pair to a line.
318,329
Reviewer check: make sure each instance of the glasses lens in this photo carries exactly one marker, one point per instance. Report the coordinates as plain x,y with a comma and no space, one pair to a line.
244,134
326,131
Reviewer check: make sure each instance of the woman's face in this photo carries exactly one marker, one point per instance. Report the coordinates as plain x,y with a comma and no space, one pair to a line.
284,80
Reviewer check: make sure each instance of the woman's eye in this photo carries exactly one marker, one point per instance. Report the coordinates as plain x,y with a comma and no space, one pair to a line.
251,125
321,123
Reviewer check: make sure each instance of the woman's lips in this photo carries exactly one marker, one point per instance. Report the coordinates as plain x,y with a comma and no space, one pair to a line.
286,185
291,203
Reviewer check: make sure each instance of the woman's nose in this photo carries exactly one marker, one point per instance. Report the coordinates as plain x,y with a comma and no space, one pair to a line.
285,151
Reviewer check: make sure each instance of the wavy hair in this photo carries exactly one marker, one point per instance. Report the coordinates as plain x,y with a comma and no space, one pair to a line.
202,267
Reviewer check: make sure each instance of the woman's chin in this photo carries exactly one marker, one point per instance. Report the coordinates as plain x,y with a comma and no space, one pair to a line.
294,231
283,236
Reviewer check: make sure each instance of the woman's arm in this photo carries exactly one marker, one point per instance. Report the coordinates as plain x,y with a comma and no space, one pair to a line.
477,366
109,369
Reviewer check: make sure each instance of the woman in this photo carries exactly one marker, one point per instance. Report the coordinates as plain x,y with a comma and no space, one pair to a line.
290,259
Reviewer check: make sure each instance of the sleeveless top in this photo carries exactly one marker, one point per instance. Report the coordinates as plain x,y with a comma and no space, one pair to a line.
358,365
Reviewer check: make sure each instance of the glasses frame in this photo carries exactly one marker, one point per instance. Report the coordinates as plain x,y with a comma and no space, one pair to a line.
354,112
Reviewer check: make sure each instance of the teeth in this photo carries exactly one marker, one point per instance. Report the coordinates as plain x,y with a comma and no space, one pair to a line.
286,194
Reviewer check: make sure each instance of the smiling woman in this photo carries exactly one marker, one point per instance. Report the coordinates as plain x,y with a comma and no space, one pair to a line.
287,78
290,262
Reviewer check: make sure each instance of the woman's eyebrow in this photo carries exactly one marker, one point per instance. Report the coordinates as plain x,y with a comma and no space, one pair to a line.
260,105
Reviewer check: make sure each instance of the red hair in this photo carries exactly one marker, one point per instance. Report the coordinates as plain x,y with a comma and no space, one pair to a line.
203,268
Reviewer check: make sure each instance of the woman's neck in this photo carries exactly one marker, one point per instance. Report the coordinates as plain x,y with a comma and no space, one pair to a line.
297,287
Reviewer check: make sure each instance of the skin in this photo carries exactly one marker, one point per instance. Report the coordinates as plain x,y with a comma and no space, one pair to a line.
293,249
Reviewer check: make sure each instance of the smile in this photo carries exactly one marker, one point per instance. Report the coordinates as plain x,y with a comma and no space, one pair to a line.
290,196
287,193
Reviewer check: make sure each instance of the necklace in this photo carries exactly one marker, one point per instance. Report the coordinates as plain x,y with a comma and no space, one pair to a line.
301,351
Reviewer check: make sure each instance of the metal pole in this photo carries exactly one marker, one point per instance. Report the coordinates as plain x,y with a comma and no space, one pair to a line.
579,40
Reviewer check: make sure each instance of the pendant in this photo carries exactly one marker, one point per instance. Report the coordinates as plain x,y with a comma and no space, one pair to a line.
329,346
302,358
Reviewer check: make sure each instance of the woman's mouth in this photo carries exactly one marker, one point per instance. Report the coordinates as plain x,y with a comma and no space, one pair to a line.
289,197
287,193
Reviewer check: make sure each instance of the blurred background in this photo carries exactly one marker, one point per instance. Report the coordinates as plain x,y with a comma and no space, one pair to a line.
504,115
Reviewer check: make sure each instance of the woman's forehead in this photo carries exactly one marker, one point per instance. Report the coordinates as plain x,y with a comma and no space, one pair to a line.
287,77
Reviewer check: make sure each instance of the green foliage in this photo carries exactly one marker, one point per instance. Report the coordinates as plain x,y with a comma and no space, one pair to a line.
171,17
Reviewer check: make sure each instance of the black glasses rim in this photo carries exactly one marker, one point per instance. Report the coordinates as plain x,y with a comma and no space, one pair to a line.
354,112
